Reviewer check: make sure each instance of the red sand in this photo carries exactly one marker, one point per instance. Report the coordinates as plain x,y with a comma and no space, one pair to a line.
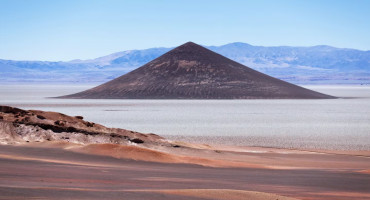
69,171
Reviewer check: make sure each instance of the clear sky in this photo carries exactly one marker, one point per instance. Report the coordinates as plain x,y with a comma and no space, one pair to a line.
77,29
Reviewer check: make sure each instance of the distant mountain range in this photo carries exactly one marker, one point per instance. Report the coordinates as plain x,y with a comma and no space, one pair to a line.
300,65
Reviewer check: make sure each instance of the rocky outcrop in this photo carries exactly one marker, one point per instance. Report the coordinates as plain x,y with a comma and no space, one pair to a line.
17,126
8,133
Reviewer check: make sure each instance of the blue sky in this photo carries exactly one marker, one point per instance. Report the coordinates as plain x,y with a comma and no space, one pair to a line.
77,29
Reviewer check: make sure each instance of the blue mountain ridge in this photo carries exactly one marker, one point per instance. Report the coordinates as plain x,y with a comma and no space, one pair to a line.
301,65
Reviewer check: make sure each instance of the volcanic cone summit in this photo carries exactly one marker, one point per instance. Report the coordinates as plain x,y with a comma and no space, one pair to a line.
191,71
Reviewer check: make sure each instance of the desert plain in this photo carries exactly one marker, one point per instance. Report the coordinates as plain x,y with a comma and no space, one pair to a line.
55,165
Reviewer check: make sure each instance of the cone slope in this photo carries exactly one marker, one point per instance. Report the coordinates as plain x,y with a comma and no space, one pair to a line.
191,71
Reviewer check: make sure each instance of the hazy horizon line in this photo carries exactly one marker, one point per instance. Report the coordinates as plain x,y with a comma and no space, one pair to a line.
160,47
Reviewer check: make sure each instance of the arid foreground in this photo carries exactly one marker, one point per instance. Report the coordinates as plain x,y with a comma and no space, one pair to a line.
47,155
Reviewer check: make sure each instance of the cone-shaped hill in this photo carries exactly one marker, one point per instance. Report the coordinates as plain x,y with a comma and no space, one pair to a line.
191,71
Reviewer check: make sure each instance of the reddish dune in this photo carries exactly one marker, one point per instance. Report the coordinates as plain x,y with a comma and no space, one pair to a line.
223,194
60,172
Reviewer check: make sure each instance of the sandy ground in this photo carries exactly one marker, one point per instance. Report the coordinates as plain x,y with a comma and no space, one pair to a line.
55,170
